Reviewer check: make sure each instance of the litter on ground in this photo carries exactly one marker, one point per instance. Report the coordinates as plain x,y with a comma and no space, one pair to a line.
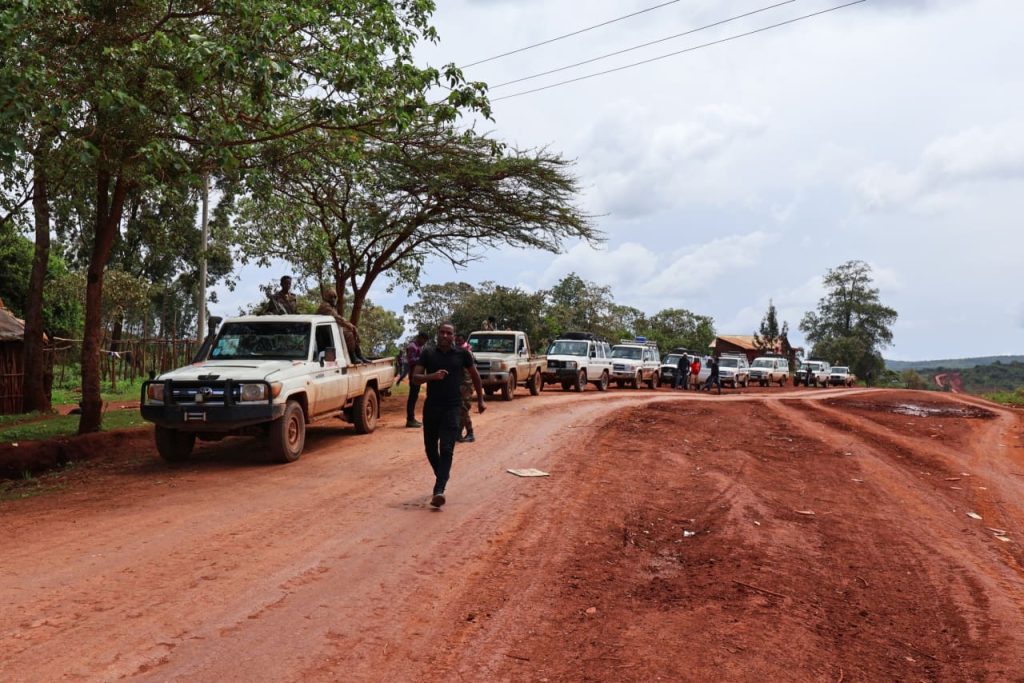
528,472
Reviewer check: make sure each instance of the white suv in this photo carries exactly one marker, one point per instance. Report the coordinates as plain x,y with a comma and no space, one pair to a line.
578,359
635,362
769,370
733,370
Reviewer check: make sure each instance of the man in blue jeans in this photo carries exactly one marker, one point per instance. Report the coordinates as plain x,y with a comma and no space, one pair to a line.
441,368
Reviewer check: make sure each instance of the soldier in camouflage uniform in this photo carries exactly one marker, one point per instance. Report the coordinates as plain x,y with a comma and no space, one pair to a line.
282,302
467,390
348,330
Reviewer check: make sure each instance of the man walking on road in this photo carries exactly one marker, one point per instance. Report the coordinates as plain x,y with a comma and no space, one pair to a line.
412,357
713,378
442,368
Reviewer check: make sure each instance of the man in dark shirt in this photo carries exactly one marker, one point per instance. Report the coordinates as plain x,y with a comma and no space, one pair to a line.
442,368
682,373
713,378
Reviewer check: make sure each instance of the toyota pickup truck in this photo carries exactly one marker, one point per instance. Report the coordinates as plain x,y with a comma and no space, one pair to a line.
812,372
636,362
504,360
576,359
266,376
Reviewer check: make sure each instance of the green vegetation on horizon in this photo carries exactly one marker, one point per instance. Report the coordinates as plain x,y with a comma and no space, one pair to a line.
950,363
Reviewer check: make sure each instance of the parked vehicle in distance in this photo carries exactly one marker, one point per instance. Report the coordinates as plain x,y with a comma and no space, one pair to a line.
670,365
733,370
576,359
266,376
841,376
636,362
504,360
769,370
812,372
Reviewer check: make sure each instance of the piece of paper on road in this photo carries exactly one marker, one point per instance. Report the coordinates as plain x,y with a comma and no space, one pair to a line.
528,472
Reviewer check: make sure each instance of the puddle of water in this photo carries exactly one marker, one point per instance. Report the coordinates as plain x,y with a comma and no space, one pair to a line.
935,411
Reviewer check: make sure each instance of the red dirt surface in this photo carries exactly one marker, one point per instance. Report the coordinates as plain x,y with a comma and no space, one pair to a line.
808,535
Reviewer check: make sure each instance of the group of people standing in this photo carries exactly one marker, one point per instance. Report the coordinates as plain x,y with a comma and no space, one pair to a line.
688,374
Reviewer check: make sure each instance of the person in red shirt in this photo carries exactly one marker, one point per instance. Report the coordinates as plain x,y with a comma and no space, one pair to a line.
695,372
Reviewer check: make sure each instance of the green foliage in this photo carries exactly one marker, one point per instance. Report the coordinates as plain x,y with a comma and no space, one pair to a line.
997,376
850,325
380,331
912,380
951,363
574,304
437,304
769,336
62,309
674,327
1010,398
56,426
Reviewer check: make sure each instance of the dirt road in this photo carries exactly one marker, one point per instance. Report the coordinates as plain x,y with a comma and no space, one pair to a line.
813,535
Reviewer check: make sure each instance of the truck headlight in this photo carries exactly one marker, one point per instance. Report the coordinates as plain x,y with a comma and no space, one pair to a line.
252,392
503,366
571,364
155,393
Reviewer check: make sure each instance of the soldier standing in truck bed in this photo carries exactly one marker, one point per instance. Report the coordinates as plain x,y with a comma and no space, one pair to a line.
282,302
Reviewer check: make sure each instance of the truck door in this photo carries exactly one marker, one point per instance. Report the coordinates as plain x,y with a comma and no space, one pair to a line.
328,382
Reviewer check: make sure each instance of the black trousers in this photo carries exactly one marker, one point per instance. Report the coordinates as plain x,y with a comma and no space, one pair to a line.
410,403
440,430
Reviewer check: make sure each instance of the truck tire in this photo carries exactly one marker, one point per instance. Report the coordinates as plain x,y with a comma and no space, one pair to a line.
364,411
602,384
782,382
287,434
535,383
637,381
508,390
566,386
745,382
489,391
654,382
174,445
581,381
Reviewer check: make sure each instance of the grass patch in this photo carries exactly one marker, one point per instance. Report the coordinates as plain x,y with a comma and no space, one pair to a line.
126,391
67,425
8,420
1008,398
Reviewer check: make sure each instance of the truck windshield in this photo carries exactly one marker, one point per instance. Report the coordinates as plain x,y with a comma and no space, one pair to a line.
568,348
492,343
762,363
631,352
728,362
840,370
671,359
265,340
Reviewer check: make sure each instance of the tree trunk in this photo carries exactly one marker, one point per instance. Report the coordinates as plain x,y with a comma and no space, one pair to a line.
108,217
35,387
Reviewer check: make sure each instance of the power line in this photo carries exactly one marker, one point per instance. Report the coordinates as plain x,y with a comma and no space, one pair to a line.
679,52
642,45
569,35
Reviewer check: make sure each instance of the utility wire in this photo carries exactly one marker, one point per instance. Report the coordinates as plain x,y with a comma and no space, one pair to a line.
679,52
569,35
642,45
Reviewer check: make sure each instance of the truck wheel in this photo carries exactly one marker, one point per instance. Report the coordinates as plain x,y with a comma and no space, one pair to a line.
745,382
602,384
508,390
566,386
653,382
535,384
581,381
489,391
364,411
174,445
637,381
288,434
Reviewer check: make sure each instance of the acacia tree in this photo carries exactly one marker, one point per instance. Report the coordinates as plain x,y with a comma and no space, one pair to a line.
768,338
354,209
851,325
133,89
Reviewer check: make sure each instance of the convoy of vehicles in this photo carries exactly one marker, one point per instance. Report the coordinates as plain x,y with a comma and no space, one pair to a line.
576,359
504,360
769,370
264,376
269,376
636,362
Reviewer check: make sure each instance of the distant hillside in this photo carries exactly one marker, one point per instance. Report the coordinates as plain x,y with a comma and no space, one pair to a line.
950,364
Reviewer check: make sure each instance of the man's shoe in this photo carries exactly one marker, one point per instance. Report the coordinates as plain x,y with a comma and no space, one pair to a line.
413,423
460,439
468,438
437,500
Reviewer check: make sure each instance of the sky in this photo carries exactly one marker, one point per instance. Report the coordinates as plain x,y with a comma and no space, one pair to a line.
890,131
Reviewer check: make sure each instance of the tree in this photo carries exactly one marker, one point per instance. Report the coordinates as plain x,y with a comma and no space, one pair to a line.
512,308
674,327
134,90
769,337
850,325
437,304
379,330
575,304
352,208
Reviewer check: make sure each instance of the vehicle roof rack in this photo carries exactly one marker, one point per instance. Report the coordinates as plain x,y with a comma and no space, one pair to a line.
641,341
579,335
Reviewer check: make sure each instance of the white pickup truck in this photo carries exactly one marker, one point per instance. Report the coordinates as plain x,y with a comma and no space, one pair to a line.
635,362
266,376
504,360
